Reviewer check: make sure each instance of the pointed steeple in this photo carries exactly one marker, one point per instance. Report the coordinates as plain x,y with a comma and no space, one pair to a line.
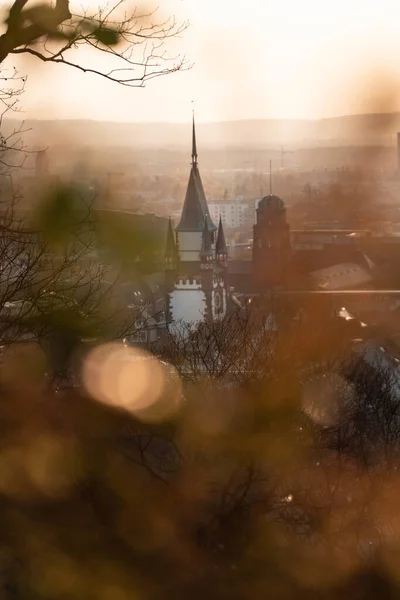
171,253
206,247
194,146
195,206
220,247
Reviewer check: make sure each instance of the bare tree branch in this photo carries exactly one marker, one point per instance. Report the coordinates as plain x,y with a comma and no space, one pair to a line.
132,42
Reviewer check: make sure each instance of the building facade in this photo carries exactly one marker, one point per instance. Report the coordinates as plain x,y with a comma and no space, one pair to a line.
232,214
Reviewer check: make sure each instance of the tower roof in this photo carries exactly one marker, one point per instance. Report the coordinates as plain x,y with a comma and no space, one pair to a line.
170,246
271,202
195,206
220,247
206,247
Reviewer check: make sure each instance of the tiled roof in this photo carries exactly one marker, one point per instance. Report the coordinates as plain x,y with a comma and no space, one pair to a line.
341,276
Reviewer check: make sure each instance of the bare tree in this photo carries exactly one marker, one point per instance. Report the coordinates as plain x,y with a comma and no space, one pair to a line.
131,42
240,348
12,148
368,424
49,293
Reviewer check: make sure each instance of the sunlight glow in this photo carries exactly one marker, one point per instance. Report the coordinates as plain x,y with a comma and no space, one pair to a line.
258,59
132,380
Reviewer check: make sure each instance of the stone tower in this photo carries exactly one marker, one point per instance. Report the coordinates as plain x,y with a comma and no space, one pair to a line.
271,244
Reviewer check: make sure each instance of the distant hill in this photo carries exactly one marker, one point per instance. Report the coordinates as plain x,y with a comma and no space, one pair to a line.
370,129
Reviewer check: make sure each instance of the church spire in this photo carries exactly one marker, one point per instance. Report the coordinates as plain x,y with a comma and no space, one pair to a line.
195,206
220,247
194,146
206,246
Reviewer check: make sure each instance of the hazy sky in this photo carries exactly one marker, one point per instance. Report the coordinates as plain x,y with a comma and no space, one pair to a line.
251,59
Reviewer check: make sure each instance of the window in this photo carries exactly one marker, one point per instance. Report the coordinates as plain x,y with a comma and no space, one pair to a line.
139,336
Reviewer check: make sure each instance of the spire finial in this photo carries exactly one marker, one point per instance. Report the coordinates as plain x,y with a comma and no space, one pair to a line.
194,147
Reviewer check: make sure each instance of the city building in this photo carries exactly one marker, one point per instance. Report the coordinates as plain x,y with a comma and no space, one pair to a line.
233,214
313,275
316,239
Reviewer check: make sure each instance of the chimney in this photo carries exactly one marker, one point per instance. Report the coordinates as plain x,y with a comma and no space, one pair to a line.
398,152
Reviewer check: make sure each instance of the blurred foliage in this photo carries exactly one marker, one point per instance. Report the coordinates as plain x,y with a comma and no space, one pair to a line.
133,241
46,17
237,492
96,503
107,36
236,480
60,214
